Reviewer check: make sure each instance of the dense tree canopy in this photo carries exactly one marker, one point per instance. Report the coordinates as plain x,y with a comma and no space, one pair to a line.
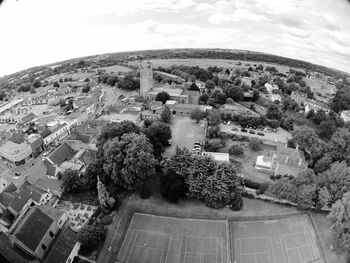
162,96
159,135
129,160
197,115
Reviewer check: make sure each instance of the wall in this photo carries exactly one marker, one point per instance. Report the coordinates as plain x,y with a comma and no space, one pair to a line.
47,240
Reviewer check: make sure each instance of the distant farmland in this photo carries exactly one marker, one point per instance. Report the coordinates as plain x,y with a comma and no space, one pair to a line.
204,63
115,69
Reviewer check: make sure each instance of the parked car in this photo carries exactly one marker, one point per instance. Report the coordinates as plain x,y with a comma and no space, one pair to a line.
197,143
228,123
261,134
234,129
17,174
251,131
244,130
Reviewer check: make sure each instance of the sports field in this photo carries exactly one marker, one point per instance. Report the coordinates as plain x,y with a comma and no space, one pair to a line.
157,239
290,240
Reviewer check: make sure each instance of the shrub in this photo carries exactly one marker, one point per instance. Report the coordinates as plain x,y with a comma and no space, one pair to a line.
107,219
236,150
248,195
250,184
262,189
255,144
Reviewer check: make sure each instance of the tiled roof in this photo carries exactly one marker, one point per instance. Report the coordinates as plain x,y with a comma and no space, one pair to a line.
12,253
36,172
291,157
6,198
61,154
62,247
33,228
49,184
17,137
20,199
54,213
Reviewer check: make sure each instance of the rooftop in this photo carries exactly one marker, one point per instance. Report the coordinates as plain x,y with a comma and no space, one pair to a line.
33,227
62,247
15,152
219,157
61,154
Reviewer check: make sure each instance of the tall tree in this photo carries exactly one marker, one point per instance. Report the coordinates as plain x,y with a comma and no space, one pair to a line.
91,235
165,116
162,96
197,115
172,186
273,112
129,160
340,217
209,84
159,135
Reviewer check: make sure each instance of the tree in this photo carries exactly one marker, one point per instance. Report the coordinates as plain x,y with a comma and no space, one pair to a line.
214,117
159,135
284,189
336,179
340,218
326,129
319,116
220,98
129,83
273,112
162,96
165,116
172,186
201,168
218,187
91,235
323,164
56,85
86,88
260,67
204,98
256,95
71,181
339,145
116,130
91,173
103,195
197,115
255,144
209,84
129,160
306,196
229,101
214,131
236,150
288,123
36,84
235,92
307,140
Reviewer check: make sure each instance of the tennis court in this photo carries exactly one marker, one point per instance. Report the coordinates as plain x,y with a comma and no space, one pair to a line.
289,240
158,239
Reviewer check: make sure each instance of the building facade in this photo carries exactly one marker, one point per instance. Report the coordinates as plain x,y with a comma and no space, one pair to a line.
146,78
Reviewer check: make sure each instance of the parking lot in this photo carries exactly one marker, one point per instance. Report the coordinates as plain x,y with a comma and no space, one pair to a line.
280,135
185,132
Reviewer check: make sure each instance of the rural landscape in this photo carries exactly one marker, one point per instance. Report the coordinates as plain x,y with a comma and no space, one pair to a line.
169,156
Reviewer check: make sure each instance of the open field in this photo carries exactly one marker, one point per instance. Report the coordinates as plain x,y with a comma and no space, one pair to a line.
289,240
185,132
156,239
115,69
204,63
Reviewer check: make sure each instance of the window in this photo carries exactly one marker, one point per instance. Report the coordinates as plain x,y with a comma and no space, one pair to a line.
51,234
43,247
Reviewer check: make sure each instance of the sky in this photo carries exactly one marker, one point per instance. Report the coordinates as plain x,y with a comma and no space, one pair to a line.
37,32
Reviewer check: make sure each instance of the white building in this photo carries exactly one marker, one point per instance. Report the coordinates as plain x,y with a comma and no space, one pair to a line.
218,157
345,115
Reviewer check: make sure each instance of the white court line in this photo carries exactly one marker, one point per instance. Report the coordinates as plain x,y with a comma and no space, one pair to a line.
175,218
271,247
284,244
127,247
144,255
130,224
243,238
133,245
309,239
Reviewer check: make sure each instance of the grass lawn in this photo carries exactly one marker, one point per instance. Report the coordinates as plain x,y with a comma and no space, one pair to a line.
115,69
248,160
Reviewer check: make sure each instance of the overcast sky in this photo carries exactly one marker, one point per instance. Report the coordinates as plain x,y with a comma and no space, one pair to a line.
36,32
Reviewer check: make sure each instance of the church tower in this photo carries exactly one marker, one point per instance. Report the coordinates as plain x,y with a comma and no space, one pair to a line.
146,78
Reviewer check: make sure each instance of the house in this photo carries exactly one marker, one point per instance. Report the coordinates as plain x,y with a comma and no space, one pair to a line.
315,106
275,97
183,109
15,200
35,232
149,115
270,87
193,96
299,97
219,157
16,153
345,115
27,118
36,143
285,161
64,249
290,161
